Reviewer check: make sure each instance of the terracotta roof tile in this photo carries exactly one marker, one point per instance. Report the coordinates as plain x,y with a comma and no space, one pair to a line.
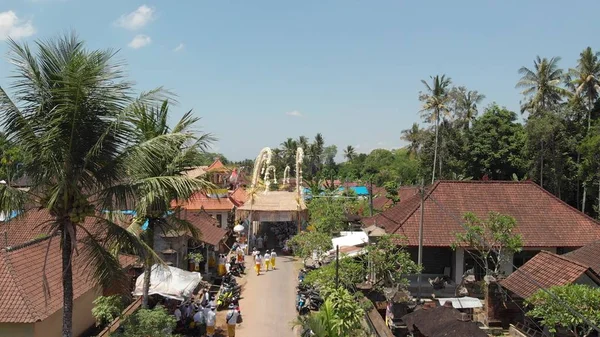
217,166
544,270
207,225
588,255
239,196
542,219
201,201
22,298
381,202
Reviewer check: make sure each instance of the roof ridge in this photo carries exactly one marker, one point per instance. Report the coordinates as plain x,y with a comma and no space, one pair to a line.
562,257
524,182
32,314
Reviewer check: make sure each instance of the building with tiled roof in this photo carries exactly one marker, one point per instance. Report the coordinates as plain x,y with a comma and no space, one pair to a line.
239,196
544,221
218,206
207,225
26,307
546,270
588,255
381,202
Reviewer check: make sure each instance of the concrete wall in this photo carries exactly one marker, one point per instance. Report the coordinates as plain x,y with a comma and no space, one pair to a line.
16,330
224,216
82,317
179,244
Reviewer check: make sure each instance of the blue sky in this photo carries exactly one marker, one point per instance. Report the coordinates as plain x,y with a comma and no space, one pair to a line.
261,71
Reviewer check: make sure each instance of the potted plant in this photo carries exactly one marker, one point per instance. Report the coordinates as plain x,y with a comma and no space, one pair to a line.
194,261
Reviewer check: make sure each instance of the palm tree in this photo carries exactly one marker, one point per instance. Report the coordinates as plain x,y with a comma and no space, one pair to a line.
67,117
414,137
349,152
466,104
434,107
586,79
303,142
541,85
289,148
158,184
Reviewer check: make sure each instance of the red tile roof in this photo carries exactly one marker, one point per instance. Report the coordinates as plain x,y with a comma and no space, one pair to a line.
33,224
207,225
542,219
22,298
239,196
381,202
588,255
545,270
217,166
201,201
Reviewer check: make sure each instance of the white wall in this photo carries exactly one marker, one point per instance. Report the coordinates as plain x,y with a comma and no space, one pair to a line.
223,218
458,264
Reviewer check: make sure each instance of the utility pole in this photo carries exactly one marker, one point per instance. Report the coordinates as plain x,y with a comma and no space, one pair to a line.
371,197
420,253
337,266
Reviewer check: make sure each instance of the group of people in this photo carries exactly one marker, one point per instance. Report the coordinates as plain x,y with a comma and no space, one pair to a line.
259,241
268,259
200,318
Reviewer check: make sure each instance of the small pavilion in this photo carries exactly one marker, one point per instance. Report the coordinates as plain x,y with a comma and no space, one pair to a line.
273,207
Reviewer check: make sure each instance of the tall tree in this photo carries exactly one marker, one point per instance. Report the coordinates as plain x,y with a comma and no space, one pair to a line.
67,117
349,152
435,101
414,138
541,86
158,184
289,148
586,79
466,102
496,145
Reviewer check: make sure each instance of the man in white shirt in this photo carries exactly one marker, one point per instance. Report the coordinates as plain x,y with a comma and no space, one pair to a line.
231,319
211,319
257,263
177,314
199,321
267,259
273,257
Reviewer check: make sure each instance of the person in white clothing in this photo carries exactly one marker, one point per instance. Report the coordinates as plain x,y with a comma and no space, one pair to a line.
211,319
267,259
259,243
231,319
257,263
199,321
177,314
273,257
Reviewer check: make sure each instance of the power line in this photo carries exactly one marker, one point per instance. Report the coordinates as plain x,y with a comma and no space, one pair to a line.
534,282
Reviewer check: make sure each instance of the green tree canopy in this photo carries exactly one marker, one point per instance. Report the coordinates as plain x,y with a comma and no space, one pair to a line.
558,314
496,145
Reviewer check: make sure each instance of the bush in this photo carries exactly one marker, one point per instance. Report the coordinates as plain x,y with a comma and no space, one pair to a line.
149,323
107,309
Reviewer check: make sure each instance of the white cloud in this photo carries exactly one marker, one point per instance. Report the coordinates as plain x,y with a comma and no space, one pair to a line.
294,113
136,19
140,41
179,47
13,27
380,143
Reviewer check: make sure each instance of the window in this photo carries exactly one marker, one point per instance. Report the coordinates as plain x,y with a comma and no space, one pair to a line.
219,219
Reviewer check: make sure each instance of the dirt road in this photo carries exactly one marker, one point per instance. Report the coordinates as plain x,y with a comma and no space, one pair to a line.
268,301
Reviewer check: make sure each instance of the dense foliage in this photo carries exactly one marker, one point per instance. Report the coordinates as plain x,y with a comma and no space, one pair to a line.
149,323
307,242
107,308
556,312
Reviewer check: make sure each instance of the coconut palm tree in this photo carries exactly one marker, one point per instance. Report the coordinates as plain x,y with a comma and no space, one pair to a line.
466,102
349,152
414,137
435,107
541,85
157,185
586,79
67,115
303,142
289,148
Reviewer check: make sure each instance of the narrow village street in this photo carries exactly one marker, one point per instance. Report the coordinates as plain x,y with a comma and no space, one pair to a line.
268,300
